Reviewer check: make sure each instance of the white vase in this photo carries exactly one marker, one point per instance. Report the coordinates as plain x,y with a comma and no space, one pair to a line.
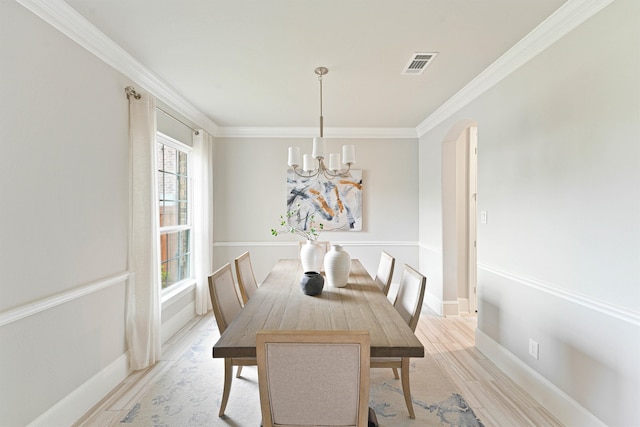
337,264
311,256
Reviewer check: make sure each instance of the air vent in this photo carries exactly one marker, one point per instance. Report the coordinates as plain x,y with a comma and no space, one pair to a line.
418,63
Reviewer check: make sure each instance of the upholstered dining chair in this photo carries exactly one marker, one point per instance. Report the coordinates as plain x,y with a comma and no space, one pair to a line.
226,306
313,378
408,304
385,272
246,279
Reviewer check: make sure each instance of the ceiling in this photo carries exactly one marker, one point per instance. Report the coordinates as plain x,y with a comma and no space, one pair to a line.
250,63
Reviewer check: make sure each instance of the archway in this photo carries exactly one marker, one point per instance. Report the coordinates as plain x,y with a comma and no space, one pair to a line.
459,193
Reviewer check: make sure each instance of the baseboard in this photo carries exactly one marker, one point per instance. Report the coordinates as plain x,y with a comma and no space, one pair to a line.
433,302
450,309
463,305
71,408
557,402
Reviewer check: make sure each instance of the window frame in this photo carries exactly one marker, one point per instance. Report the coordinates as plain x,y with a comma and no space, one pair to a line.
178,286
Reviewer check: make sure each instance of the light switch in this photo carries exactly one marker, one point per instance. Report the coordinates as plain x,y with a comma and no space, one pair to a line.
483,217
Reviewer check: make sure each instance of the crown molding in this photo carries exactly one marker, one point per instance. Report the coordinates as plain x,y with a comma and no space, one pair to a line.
306,132
362,243
68,21
561,22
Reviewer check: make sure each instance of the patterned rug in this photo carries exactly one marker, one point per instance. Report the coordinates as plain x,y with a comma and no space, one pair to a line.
189,394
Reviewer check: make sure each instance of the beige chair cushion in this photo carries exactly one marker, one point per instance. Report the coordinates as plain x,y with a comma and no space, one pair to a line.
302,377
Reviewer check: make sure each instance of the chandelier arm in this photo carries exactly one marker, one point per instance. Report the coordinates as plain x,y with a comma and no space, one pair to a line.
302,175
339,173
310,174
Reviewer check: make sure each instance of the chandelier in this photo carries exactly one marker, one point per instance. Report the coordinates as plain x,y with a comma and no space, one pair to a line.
313,165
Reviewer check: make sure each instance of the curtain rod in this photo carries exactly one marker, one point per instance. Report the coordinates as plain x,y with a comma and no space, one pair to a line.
130,91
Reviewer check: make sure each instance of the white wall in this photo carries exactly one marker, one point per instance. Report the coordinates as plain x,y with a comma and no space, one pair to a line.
63,221
250,196
558,174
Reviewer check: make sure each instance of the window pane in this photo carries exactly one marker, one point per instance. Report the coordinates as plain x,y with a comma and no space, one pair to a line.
170,275
182,209
185,243
170,214
175,256
170,187
182,188
170,159
184,267
173,204
182,159
161,197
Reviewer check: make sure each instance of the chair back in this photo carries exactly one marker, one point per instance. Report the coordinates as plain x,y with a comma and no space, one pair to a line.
314,378
385,272
410,295
224,298
246,279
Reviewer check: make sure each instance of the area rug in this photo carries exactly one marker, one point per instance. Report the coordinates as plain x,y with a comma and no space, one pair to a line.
189,394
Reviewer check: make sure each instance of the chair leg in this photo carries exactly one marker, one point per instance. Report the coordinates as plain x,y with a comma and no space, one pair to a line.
239,371
228,374
406,389
395,373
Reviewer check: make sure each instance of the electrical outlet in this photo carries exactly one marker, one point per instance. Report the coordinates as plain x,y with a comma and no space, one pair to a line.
534,349
483,217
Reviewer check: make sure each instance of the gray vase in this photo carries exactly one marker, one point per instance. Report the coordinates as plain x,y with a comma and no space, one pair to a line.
312,283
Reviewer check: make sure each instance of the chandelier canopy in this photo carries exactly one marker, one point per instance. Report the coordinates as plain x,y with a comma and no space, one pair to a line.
315,168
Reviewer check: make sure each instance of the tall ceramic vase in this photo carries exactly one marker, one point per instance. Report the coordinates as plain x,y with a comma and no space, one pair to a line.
337,264
311,256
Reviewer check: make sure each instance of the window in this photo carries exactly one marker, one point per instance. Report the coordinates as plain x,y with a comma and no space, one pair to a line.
175,210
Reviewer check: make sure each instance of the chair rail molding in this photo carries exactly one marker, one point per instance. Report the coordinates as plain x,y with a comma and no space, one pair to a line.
36,307
603,307
429,248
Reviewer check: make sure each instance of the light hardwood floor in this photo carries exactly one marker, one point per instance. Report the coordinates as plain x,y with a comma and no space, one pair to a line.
495,399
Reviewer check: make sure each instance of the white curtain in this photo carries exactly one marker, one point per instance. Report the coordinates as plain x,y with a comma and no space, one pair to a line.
203,221
143,290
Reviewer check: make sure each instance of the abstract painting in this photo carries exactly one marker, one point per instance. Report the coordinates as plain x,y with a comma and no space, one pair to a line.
336,203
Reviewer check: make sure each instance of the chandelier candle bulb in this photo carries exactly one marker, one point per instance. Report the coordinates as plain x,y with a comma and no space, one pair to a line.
334,161
318,148
294,156
307,163
348,154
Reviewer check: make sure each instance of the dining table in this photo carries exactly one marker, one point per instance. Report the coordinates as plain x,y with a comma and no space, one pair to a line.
280,304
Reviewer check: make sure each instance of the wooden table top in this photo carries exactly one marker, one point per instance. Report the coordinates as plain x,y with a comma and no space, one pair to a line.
280,304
